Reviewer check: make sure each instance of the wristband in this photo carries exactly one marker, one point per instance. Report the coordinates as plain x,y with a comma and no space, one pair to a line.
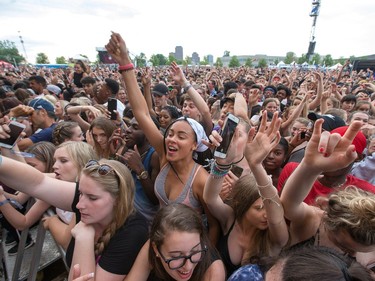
6,201
187,86
125,67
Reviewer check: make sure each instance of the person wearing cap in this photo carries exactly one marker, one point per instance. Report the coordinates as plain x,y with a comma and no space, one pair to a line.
299,142
180,180
54,90
160,95
332,180
43,122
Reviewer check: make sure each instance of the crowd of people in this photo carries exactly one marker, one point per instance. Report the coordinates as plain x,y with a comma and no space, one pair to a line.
126,158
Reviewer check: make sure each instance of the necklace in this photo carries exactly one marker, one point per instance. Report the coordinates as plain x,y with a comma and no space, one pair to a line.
144,153
175,172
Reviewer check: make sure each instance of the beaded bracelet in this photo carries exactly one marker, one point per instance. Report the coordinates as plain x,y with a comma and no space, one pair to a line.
271,199
216,172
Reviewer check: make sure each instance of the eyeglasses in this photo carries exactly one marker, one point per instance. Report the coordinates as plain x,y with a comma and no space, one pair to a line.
178,262
103,169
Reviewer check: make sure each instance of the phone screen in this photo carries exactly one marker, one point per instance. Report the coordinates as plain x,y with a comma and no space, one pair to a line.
112,106
227,135
237,171
15,131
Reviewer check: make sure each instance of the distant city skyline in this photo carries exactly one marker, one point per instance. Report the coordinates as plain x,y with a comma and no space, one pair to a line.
268,27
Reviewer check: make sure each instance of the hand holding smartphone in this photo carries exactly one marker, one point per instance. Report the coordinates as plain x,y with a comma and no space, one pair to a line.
16,129
112,107
227,134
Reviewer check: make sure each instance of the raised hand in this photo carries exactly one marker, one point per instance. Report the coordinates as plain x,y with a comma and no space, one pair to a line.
116,47
330,152
266,139
177,74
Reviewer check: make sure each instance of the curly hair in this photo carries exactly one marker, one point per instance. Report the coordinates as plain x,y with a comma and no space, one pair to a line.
352,210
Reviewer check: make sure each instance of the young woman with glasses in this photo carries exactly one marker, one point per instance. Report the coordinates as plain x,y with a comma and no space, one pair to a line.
178,249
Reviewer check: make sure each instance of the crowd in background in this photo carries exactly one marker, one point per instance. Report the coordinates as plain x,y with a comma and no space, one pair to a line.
125,156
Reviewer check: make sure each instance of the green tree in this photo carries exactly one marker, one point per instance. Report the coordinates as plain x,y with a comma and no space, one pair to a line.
204,61
316,59
154,60
159,59
249,62
42,58
328,61
219,62
341,60
234,62
262,63
141,60
61,60
276,61
290,57
302,59
187,60
9,52
171,58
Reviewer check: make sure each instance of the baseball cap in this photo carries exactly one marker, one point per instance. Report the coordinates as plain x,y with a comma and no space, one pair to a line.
54,89
42,104
160,90
331,122
359,140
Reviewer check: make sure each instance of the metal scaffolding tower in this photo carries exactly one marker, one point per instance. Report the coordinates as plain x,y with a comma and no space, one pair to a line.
314,14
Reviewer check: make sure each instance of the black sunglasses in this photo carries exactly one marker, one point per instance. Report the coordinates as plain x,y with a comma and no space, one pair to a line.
103,169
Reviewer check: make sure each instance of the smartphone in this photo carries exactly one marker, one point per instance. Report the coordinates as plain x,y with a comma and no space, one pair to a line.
16,129
303,135
112,107
227,134
236,170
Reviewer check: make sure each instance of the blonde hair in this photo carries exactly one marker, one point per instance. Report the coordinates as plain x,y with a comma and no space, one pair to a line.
352,210
120,185
79,152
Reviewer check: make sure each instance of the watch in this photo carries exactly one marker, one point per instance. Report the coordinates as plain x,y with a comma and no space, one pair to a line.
143,175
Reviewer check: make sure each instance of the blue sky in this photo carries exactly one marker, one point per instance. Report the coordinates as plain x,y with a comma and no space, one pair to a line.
272,27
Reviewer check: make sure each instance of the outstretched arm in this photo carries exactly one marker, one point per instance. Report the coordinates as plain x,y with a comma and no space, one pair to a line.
55,192
324,152
256,151
117,49
179,77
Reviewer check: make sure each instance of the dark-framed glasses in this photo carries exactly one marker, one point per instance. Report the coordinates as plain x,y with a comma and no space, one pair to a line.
103,169
178,262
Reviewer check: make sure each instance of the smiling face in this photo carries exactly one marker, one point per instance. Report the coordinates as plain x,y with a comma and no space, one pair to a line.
180,141
64,168
177,244
164,118
92,198
275,158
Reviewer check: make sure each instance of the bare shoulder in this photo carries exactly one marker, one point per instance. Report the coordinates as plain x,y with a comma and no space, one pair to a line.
216,272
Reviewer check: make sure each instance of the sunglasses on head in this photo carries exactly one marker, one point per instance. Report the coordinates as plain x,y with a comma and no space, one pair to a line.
103,169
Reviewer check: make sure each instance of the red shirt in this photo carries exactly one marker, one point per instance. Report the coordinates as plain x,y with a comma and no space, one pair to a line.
318,189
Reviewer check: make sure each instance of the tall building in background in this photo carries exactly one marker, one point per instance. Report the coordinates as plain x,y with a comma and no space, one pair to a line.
179,53
195,59
210,59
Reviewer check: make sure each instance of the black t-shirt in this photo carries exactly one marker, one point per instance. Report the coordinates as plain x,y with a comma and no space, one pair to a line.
122,250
